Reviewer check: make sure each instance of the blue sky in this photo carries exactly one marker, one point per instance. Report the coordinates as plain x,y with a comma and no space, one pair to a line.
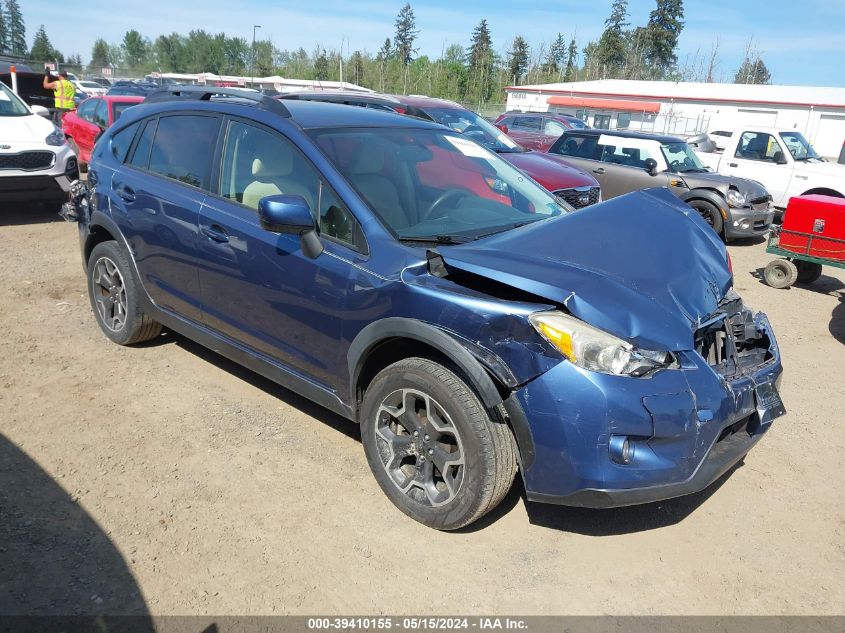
802,42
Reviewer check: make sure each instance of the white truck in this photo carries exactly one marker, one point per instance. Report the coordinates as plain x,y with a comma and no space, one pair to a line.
781,160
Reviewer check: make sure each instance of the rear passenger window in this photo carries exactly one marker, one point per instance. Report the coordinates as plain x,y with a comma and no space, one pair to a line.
183,147
576,146
122,140
141,153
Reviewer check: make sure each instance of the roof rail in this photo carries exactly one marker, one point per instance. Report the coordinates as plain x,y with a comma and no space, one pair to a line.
206,93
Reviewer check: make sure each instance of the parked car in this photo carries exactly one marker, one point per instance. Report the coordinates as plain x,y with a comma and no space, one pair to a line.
36,163
537,130
103,81
700,142
89,88
83,126
571,185
719,138
131,89
472,333
781,159
627,161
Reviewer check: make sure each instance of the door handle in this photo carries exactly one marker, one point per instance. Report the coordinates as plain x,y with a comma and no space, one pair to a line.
732,165
215,233
127,193
600,170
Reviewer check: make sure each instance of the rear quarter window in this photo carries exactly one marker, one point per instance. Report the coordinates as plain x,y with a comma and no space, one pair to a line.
121,141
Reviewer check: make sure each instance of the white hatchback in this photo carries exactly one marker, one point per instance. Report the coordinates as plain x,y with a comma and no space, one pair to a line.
36,162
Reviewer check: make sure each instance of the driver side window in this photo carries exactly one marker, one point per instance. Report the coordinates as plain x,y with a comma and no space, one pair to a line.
259,163
757,146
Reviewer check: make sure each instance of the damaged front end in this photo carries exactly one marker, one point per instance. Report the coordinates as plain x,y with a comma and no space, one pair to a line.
78,202
637,375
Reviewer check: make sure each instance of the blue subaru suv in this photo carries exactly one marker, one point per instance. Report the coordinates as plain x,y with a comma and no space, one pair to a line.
403,276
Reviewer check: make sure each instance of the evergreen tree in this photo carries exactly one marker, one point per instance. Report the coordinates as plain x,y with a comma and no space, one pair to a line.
480,63
384,55
611,50
356,67
518,59
42,49
100,54
556,59
134,49
753,71
16,28
571,72
321,66
661,36
406,33
4,31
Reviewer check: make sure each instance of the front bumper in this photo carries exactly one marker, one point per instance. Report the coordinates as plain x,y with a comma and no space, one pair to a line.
45,185
687,426
748,222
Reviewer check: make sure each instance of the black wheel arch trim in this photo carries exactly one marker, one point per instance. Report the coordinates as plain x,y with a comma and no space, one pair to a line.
399,327
476,365
709,195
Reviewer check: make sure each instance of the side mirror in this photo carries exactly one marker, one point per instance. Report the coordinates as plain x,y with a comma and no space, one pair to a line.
651,166
40,111
779,158
291,214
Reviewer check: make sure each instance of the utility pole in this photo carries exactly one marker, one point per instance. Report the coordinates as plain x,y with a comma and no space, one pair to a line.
341,60
252,57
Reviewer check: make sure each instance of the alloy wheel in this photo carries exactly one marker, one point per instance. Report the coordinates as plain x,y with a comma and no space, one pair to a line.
109,294
419,446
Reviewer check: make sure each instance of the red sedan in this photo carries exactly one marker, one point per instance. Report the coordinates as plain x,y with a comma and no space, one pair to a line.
83,126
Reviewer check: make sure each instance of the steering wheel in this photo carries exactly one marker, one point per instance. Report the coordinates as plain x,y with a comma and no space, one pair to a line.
441,199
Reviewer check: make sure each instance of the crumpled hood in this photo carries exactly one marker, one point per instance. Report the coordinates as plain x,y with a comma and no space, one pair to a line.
751,189
24,129
643,266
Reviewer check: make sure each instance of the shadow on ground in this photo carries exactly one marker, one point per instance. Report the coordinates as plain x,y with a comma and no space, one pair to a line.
824,285
55,560
26,213
837,321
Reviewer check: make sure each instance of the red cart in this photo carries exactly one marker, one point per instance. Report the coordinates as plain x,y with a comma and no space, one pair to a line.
812,236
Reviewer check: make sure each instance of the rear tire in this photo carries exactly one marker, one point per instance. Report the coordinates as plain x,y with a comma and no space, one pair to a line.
115,297
808,272
710,213
780,273
433,447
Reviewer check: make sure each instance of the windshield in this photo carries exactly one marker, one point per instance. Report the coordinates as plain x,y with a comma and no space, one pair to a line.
475,127
432,185
798,146
10,103
681,159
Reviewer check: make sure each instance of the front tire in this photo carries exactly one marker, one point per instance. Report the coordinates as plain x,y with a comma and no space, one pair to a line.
115,297
433,447
710,213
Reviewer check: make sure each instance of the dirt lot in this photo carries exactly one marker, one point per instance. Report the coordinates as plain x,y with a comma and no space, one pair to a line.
164,479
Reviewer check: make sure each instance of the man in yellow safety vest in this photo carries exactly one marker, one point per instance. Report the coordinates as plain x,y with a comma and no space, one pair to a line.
63,93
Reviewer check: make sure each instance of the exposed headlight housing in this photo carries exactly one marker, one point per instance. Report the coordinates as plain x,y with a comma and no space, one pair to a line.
735,198
594,349
56,138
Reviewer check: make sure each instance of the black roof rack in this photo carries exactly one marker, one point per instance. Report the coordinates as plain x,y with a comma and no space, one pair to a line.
206,93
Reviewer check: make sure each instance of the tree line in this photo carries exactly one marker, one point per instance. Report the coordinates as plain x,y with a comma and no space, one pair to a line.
476,73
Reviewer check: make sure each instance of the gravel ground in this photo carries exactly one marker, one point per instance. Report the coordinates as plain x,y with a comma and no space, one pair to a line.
164,479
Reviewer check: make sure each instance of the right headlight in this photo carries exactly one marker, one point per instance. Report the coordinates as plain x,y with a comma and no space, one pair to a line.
735,198
595,349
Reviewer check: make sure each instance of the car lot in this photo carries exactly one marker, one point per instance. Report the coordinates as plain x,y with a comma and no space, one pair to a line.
177,482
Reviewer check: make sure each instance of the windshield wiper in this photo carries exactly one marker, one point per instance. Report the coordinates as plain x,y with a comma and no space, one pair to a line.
435,239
